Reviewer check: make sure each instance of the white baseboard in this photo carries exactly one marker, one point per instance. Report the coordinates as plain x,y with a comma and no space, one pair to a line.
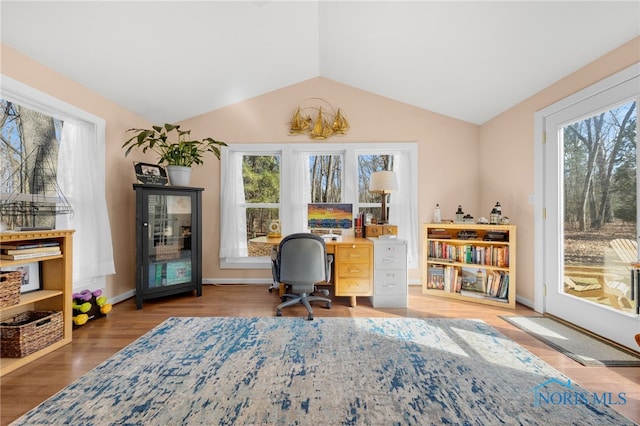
266,281
121,297
525,302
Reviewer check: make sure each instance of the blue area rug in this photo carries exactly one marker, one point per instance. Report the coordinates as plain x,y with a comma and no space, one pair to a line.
331,371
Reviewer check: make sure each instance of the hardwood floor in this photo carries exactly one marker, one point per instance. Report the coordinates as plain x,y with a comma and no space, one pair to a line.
96,341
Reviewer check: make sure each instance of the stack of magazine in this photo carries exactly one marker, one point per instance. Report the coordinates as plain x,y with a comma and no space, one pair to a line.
29,249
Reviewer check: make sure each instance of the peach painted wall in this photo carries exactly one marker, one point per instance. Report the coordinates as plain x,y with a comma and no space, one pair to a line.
119,192
447,149
507,155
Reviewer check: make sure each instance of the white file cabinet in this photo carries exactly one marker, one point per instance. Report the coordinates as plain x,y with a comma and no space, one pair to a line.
389,273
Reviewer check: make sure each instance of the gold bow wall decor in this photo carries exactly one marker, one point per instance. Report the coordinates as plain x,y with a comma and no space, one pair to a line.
328,121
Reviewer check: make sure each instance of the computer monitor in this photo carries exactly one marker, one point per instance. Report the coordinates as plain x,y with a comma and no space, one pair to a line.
330,216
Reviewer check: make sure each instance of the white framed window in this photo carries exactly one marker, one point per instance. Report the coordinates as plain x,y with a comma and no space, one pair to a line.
81,178
307,173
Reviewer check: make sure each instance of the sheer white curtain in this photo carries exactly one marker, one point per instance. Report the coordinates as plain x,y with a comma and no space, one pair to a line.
81,177
233,216
295,218
403,210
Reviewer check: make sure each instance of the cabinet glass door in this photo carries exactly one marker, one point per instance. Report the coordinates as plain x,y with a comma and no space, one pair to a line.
169,240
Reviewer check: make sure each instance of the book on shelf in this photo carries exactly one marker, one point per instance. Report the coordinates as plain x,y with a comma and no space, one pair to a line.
435,277
473,293
30,255
445,278
455,279
504,290
498,284
24,245
439,233
31,250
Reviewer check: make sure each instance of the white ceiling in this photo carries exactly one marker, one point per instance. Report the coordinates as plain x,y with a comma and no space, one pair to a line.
172,60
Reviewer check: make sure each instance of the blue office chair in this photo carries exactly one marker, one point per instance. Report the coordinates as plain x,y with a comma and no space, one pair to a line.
301,263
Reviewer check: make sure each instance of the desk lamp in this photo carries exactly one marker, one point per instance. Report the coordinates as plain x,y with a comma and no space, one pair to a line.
384,183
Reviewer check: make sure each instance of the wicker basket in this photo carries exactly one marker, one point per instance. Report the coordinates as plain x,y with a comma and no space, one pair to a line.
30,331
10,283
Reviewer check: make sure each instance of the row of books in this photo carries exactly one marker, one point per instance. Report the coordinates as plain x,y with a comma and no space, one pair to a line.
498,284
29,249
470,253
470,282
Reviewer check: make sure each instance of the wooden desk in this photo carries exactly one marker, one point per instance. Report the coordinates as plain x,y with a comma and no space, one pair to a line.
353,265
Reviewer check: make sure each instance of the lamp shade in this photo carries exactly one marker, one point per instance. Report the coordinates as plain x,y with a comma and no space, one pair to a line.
383,182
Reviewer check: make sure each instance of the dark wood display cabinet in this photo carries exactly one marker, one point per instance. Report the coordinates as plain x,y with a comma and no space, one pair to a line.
168,241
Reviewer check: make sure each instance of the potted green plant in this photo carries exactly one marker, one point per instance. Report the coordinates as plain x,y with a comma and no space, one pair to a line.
175,148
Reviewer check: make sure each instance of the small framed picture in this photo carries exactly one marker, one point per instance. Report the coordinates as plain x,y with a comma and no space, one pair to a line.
150,174
30,276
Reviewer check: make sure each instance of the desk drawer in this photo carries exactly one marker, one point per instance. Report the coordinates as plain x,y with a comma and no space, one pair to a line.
350,270
354,254
353,287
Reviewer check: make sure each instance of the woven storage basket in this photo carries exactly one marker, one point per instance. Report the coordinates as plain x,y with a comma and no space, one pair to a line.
30,331
10,283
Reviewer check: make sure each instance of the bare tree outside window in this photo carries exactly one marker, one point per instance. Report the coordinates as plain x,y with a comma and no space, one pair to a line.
261,178
367,165
600,169
600,205
29,142
326,172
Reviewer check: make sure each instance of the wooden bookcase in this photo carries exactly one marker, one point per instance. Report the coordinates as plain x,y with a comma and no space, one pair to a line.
472,262
56,281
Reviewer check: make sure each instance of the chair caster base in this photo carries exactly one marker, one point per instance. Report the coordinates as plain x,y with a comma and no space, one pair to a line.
310,317
278,313
328,305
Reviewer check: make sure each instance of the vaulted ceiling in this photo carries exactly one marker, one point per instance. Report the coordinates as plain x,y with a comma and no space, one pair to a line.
172,60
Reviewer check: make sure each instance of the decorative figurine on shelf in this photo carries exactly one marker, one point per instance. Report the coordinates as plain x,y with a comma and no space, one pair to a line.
493,217
459,214
437,216
499,210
